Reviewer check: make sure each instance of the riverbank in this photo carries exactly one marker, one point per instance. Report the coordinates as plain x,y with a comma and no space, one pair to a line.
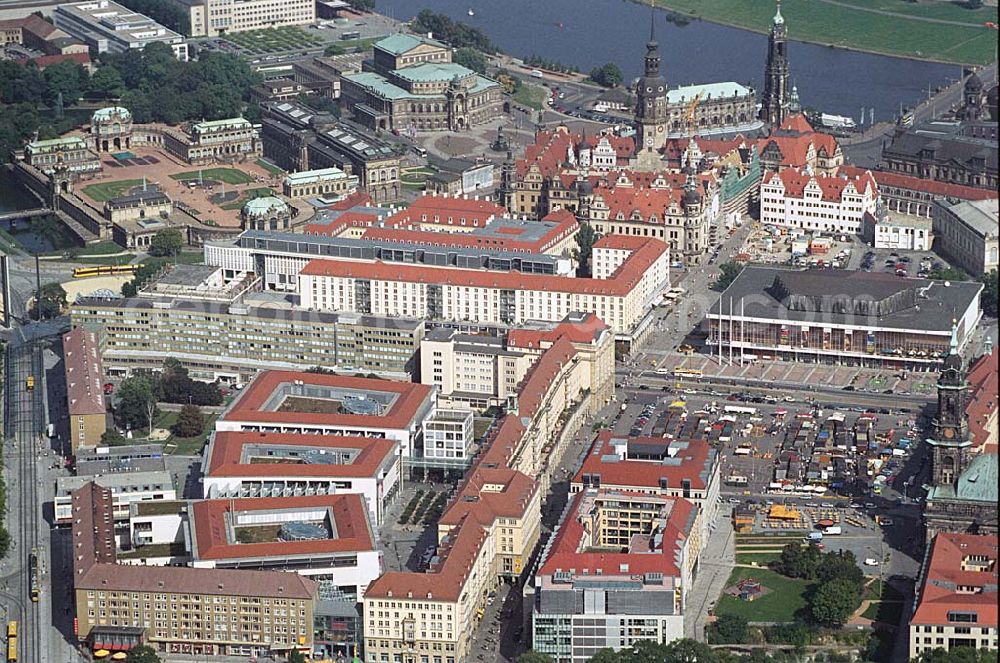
935,32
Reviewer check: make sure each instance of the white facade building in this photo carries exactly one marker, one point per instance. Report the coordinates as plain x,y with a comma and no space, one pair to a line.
448,436
905,233
125,488
818,203
210,18
108,27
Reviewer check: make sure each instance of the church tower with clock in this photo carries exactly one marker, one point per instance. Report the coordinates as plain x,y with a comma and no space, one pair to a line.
951,448
651,115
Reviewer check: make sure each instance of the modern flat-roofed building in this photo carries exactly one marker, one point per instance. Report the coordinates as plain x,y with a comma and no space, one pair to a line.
129,458
324,404
125,487
88,411
967,233
903,233
243,465
179,610
210,18
956,601
618,570
847,316
630,274
108,27
687,469
231,341
327,538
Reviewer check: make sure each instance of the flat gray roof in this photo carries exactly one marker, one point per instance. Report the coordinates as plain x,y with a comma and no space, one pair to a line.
935,304
189,275
983,216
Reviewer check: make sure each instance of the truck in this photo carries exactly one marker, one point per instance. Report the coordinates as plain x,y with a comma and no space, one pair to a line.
815,536
832,530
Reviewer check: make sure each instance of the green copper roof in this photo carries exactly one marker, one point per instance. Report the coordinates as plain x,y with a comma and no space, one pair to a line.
105,114
265,205
229,122
74,142
378,85
398,44
430,72
978,483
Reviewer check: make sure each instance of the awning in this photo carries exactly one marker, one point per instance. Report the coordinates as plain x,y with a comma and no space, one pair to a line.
101,653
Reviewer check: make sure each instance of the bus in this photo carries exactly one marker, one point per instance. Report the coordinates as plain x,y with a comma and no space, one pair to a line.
11,650
741,409
29,384
33,574
350,36
12,629
688,372
736,480
104,270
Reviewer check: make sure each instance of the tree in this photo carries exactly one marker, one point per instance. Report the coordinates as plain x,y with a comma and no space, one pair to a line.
798,561
686,650
295,656
166,242
957,655
143,654
606,655
66,77
334,49
609,75
988,299
471,58
729,272
729,629
190,422
843,565
585,238
532,656
106,82
51,301
137,402
112,438
834,601
949,274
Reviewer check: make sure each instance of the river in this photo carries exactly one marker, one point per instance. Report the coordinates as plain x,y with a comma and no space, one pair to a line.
589,33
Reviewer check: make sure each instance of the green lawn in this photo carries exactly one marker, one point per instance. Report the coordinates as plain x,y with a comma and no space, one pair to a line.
227,175
103,191
530,95
889,593
190,258
786,598
271,40
834,24
762,559
184,446
887,612
270,167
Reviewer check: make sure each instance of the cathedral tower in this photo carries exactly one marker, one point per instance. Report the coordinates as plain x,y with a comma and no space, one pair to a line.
651,114
774,104
951,449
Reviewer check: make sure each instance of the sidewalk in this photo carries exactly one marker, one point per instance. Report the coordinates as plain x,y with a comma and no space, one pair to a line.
717,562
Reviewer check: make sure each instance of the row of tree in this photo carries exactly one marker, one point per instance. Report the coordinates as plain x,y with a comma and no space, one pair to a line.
549,65
840,581
455,33
138,395
163,12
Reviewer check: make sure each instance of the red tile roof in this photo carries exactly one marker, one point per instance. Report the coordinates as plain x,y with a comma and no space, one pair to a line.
357,199
693,463
84,376
348,512
93,527
645,252
566,554
584,331
984,384
44,61
432,208
943,575
226,457
796,122
909,182
249,404
349,219
833,187
550,149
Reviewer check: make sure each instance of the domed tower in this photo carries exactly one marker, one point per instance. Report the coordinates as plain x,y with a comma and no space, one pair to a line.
972,97
651,115
774,104
951,449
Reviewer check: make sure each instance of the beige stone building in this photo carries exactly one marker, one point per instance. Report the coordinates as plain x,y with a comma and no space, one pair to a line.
326,183
84,388
209,18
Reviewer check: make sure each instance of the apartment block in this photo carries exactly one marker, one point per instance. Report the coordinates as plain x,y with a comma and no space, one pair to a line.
623,299
124,487
239,465
88,411
618,571
231,341
956,603
179,610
